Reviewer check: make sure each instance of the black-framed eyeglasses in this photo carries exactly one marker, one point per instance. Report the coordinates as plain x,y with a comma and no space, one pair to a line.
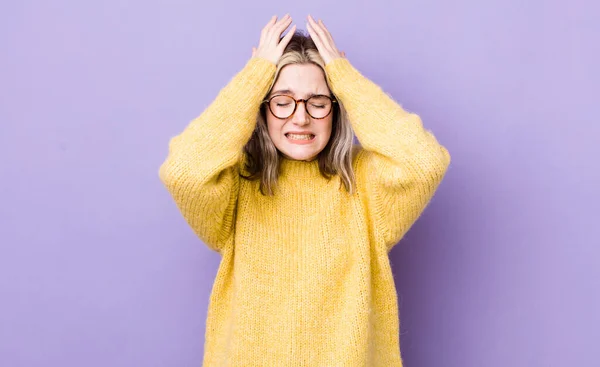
318,106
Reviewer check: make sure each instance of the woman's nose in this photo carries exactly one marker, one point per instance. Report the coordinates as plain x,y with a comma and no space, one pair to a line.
300,116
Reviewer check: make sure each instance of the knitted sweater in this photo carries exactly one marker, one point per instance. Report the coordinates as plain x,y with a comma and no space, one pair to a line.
304,277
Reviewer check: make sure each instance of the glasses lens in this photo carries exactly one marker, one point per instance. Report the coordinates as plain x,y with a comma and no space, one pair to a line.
318,106
282,106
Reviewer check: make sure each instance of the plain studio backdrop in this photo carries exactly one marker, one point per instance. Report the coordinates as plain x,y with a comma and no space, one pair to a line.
98,268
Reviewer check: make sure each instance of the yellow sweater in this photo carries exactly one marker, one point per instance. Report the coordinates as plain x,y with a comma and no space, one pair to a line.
304,278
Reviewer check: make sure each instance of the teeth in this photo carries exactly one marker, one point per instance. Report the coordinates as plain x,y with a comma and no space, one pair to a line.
300,137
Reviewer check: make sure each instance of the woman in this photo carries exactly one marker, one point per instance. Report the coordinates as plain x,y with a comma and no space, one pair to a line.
267,176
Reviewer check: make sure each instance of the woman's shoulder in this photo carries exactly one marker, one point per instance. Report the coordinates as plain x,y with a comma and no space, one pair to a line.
360,156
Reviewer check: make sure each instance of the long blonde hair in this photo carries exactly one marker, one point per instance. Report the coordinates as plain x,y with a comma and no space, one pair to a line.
263,158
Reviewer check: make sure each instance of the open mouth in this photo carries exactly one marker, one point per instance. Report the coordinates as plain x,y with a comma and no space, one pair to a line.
300,137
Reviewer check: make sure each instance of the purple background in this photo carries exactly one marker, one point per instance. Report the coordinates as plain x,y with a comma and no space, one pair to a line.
98,268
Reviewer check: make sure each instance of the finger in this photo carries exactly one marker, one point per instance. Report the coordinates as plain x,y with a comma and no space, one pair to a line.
310,24
313,22
317,28
285,40
313,27
311,32
317,40
253,51
285,19
266,29
270,24
343,54
280,27
326,32
315,37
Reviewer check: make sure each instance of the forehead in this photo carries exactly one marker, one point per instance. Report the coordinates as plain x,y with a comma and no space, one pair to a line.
301,80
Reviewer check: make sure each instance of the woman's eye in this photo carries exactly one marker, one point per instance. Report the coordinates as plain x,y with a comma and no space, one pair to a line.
282,104
318,106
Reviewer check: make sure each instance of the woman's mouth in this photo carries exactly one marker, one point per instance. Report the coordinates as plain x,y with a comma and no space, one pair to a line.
300,137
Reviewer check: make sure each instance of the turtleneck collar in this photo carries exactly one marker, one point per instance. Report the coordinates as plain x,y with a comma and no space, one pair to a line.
298,169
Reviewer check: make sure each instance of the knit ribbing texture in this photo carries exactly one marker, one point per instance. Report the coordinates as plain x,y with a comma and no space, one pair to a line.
305,277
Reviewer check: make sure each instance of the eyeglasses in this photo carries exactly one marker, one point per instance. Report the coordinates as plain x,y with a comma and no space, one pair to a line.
317,107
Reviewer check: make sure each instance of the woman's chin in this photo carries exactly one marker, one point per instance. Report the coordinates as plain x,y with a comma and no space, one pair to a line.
300,155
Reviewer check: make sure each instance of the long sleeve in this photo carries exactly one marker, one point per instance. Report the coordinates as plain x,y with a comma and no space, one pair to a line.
201,170
401,164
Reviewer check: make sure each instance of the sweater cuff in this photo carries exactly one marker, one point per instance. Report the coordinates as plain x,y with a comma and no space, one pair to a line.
255,77
246,89
340,72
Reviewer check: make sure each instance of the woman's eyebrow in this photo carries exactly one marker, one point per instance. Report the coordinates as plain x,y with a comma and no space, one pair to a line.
281,91
289,92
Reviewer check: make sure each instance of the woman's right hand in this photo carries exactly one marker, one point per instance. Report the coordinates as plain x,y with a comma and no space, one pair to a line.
271,44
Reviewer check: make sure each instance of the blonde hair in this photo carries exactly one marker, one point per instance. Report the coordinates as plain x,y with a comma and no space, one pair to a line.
262,157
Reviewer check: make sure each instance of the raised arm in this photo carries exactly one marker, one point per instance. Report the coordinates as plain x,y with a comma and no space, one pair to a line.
201,170
402,163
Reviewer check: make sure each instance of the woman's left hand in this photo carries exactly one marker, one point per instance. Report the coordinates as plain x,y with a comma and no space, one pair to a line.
323,40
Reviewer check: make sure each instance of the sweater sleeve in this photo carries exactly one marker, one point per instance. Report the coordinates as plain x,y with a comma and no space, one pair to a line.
401,164
201,171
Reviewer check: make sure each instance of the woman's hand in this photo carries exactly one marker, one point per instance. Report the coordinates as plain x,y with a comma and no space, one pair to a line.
323,40
271,44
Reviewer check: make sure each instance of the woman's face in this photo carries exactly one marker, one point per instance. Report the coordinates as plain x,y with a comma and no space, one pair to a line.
300,136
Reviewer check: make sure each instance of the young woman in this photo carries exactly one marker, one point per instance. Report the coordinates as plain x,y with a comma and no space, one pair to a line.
268,177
